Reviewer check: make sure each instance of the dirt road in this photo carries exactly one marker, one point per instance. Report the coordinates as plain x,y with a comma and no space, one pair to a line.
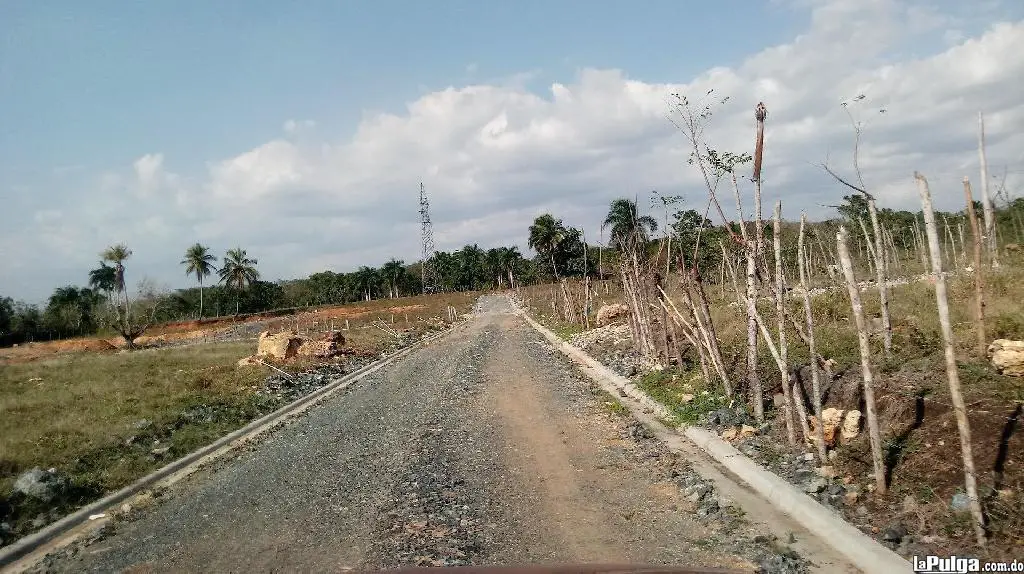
482,448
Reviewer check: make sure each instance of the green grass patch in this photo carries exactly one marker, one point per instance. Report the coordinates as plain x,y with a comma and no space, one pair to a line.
96,418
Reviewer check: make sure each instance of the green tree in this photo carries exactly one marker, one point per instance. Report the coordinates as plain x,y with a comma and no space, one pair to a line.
546,234
392,273
118,254
629,230
238,272
198,261
104,278
366,279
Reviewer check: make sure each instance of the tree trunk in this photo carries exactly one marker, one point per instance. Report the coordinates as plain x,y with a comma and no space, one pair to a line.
986,200
809,319
200,298
780,309
881,276
753,380
959,409
865,360
979,282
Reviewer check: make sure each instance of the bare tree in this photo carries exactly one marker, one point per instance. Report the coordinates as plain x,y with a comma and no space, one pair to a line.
878,257
865,359
955,395
780,310
809,318
986,201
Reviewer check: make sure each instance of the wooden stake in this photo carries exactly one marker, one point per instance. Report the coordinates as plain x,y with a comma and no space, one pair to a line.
979,284
809,319
865,359
986,199
959,410
780,309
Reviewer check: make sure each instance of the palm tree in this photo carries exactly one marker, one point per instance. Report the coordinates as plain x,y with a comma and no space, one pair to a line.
238,272
511,259
365,278
104,278
198,261
629,229
546,234
117,254
393,272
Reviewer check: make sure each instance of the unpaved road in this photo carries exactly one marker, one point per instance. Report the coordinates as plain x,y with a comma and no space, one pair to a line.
482,448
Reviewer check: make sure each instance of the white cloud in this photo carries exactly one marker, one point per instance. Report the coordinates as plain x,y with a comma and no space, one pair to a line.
494,155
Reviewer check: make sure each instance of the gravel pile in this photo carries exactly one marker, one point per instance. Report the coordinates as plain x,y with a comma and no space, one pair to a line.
289,388
612,345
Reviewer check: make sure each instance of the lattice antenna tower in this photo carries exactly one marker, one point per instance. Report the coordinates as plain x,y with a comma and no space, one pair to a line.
427,236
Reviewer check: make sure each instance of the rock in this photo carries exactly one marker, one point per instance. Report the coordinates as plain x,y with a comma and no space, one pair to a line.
826,471
44,485
142,423
747,431
808,456
685,398
815,485
730,434
787,563
724,417
832,418
608,313
894,534
851,426
835,489
1007,357
281,346
960,503
861,511
318,349
779,400
160,451
910,504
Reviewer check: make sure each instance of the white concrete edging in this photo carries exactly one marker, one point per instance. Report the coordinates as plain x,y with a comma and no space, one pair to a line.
195,459
860,549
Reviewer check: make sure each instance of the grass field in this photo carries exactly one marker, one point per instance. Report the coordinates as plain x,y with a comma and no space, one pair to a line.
98,416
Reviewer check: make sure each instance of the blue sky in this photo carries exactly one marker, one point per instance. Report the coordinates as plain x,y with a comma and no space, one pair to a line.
164,123
95,83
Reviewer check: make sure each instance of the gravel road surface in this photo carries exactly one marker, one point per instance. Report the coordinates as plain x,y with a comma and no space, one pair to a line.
485,447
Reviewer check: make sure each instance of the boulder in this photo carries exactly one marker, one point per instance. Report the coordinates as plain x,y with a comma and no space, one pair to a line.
832,418
336,337
279,346
1007,356
318,349
608,313
44,485
851,425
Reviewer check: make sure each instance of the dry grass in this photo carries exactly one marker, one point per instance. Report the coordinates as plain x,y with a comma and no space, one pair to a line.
922,443
97,416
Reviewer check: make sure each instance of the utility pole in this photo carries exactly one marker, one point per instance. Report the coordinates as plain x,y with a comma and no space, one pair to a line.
427,236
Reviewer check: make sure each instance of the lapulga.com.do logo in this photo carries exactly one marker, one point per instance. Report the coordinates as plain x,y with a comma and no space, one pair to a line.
957,565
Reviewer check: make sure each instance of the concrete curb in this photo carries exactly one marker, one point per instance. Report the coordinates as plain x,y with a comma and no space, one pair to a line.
861,550
195,459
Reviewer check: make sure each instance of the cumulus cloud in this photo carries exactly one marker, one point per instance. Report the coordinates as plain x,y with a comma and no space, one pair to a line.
495,155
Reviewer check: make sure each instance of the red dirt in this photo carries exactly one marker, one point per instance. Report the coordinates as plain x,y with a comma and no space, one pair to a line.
187,330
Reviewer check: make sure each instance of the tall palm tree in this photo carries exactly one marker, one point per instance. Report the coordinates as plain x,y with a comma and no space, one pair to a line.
546,234
238,272
629,229
198,261
117,254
